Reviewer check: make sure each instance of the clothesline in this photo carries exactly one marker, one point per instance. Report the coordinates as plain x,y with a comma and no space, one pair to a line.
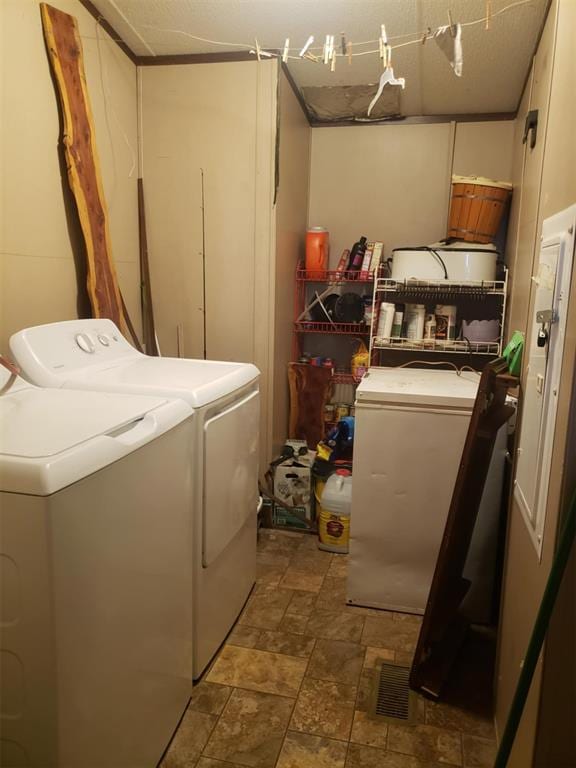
419,37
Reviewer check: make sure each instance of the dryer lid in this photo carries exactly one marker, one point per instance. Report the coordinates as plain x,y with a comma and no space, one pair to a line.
198,382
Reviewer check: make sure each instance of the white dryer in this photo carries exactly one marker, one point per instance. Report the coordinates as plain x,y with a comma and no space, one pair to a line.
95,618
93,355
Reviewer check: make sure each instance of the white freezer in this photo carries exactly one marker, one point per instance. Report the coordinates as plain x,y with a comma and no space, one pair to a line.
410,430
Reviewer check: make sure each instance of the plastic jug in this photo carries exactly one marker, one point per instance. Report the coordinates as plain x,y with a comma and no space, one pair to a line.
334,513
317,239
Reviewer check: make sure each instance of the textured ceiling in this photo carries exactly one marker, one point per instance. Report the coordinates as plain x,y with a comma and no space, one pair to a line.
495,61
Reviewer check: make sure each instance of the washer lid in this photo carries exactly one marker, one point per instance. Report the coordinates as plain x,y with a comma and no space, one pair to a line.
411,386
50,438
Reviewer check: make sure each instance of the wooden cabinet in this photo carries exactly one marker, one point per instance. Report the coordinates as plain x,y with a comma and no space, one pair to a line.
226,221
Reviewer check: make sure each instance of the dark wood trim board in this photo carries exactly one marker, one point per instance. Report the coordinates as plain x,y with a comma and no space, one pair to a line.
418,120
107,27
194,58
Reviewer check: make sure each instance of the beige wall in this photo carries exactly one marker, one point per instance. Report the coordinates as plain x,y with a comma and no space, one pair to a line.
291,218
484,149
39,236
554,189
392,182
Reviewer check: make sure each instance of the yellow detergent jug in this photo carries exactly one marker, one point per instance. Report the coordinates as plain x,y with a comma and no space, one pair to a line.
334,513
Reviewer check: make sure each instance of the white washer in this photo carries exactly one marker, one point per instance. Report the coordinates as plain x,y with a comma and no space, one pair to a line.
93,355
410,430
95,619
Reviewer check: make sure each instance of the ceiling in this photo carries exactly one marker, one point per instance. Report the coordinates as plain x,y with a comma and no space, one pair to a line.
495,61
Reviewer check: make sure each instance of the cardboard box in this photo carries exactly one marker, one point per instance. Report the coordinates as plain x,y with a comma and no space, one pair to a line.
293,486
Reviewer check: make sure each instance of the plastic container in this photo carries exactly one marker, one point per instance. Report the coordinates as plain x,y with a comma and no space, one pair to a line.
445,321
385,320
414,318
357,255
459,261
396,332
360,361
317,245
334,513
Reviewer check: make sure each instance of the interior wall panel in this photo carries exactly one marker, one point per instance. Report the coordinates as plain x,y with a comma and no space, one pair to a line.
40,244
387,182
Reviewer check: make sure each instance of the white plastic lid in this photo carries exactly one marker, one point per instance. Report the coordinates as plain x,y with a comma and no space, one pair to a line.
337,494
50,438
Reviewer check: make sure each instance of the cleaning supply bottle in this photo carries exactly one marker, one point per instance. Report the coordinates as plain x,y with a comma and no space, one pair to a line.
360,361
334,513
357,255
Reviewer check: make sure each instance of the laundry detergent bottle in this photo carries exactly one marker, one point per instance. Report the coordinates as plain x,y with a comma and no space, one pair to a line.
334,513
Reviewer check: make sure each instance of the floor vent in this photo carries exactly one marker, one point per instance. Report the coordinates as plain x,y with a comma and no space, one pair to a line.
393,700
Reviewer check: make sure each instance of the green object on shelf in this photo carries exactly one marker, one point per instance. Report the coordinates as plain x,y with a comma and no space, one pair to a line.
513,353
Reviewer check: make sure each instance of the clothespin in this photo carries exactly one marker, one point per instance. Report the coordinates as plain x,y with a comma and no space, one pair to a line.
258,56
349,52
451,24
488,13
286,50
342,43
382,43
326,50
426,35
333,62
388,57
307,45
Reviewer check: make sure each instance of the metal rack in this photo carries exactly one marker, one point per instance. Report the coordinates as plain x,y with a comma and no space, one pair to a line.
334,276
356,329
438,291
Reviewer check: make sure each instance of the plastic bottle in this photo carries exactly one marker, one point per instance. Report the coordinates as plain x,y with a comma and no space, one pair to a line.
357,255
396,332
334,513
385,320
317,243
445,321
414,316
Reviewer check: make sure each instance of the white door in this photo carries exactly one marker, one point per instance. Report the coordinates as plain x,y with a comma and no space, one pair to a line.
230,473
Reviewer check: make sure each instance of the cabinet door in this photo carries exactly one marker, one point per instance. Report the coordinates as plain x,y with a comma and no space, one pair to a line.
200,131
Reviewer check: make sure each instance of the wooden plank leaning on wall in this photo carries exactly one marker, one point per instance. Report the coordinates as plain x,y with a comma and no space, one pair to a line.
83,165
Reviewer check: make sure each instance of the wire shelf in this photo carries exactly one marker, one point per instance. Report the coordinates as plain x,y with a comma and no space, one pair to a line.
356,329
333,276
342,377
435,288
459,346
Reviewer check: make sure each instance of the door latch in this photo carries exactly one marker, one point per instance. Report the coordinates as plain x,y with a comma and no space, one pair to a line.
531,127
544,317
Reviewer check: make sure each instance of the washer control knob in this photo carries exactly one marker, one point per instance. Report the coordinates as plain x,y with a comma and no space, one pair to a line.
84,342
103,339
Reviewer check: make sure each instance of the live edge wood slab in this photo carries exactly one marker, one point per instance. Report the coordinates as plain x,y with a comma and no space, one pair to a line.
66,59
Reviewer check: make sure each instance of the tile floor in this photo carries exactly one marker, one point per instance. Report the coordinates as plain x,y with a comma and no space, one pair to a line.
290,686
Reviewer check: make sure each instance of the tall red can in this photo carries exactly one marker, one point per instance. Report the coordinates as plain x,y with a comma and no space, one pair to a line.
317,247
